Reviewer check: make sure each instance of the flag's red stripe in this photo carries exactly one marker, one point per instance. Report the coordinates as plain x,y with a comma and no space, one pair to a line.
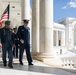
4,16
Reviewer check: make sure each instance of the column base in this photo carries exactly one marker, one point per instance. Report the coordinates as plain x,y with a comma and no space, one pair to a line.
49,59
34,54
43,57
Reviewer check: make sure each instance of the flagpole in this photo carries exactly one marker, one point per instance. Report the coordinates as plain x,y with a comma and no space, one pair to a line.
5,15
9,10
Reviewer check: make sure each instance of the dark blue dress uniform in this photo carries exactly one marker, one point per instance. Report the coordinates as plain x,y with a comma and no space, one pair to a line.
16,42
24,34
7,41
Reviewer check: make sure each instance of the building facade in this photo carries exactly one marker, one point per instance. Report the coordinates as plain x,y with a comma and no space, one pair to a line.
47,37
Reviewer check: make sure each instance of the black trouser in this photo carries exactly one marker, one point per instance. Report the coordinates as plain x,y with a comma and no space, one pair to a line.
27,47
15,51
7,48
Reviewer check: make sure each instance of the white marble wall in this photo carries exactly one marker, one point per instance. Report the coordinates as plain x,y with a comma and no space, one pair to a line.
15,13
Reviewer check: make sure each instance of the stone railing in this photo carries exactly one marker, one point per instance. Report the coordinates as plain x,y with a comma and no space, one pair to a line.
68,59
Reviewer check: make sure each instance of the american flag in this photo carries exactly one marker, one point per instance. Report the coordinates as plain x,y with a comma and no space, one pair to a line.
5,15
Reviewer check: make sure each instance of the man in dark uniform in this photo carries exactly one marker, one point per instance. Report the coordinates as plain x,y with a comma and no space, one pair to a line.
6,41
15,48
24,37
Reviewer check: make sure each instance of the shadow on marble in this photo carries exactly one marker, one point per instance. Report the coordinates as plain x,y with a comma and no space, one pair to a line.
70,70
39,69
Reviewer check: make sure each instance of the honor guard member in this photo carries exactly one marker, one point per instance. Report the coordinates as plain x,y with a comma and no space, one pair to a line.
24,37
6,42
15,49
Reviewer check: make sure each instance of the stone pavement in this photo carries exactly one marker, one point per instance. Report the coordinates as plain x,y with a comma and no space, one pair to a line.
39,68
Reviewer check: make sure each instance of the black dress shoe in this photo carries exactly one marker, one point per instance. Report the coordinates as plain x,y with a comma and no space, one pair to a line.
16,56
21,63
10,66
30,64
5,65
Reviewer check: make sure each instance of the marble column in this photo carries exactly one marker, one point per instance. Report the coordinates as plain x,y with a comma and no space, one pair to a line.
26,9
35,27
71,36
74,35
67,34
63,38
26,12
56,38
46,28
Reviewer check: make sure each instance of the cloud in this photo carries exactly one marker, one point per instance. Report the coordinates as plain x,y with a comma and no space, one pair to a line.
65,7
71,4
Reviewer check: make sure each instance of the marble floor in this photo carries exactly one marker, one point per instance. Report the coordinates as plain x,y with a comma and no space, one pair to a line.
39,68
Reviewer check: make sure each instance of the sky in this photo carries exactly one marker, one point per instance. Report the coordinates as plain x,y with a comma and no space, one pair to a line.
63,9
31,3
